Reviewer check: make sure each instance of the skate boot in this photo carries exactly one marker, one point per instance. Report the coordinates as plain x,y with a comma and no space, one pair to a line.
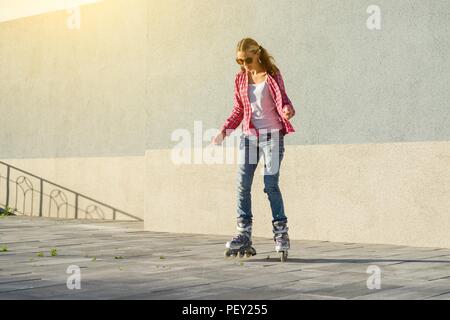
241,244
281,239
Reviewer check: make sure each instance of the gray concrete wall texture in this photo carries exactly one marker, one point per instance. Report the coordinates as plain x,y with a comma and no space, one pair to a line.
368,161
351,84
73,100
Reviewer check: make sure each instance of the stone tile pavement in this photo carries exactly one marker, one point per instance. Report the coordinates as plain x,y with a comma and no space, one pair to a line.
118,260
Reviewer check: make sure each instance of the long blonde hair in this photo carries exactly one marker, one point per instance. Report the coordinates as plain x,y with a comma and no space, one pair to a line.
267,61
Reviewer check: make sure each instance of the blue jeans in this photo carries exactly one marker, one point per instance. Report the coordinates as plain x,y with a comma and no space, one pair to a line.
271,147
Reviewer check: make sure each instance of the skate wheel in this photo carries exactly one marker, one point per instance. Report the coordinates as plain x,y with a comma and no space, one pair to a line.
248,254
241,254
283,256
227,253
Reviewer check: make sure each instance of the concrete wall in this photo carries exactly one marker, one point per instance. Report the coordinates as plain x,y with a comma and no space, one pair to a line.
72,100
368,163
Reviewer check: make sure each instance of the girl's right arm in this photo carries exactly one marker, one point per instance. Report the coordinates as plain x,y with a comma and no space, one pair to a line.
237,113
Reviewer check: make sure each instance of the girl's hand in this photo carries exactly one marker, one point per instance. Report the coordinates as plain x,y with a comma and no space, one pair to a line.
288,112
217,140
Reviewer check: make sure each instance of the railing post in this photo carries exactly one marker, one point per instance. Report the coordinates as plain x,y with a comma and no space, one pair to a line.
8,173
41,197
76,205
114,214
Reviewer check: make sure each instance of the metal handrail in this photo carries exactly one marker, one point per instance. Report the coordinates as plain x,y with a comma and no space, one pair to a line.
77,195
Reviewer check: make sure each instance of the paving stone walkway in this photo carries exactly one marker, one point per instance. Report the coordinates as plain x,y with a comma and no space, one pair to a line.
118,260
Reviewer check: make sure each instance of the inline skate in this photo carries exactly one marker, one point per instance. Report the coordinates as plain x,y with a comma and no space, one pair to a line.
281,238
241,244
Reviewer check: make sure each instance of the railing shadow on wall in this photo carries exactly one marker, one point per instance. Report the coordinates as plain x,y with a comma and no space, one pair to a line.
30,195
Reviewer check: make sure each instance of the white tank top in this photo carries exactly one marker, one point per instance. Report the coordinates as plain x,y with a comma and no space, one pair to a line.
264,111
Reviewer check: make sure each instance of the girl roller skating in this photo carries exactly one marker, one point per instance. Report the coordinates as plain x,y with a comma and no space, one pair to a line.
263,107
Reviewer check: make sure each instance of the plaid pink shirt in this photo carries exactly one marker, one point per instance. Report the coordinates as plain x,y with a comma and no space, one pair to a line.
242,108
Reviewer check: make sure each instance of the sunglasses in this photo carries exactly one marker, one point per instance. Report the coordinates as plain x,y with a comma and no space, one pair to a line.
247,61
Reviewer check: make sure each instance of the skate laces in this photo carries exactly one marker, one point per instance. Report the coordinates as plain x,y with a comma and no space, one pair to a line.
279,237
283,236
240,238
